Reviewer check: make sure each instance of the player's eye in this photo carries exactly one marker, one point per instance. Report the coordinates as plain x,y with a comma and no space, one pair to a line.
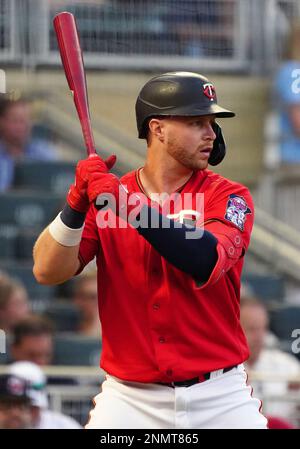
197,123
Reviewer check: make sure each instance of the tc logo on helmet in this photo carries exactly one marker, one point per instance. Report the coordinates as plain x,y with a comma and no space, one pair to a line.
210,91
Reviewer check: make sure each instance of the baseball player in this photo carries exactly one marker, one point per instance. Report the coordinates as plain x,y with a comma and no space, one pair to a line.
168,277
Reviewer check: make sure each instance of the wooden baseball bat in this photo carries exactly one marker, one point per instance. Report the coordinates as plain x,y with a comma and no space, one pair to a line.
72,60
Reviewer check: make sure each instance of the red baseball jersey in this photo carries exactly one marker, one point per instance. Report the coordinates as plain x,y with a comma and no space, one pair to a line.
158,323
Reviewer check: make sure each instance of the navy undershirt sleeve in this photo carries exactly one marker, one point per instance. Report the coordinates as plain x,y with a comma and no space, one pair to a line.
196,257
71,217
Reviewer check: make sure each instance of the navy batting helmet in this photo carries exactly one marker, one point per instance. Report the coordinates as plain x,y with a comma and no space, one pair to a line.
181,94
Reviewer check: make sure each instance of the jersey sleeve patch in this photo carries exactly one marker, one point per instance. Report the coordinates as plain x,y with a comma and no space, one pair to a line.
237,210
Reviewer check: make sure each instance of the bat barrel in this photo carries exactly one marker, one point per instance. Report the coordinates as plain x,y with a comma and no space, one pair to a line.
72,60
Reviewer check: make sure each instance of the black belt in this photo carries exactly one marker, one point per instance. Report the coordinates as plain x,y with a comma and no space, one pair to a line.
195,380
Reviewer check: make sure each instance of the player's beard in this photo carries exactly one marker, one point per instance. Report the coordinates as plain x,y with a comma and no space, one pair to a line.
185,156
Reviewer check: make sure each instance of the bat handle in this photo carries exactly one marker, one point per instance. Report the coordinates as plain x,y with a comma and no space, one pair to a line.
86,127
88,137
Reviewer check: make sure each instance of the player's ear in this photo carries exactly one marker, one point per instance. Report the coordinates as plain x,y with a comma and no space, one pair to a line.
156,127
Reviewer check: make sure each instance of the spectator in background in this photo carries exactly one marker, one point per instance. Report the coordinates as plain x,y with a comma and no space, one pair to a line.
203,28
86,299
32,341
287,97
16,142
269,362
42,416
14,304
14,403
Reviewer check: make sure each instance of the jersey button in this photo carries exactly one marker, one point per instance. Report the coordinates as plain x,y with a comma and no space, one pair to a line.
169,372
237,239
156,306
162,340
231,251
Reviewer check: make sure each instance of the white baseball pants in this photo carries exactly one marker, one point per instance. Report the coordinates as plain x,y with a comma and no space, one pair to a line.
222,402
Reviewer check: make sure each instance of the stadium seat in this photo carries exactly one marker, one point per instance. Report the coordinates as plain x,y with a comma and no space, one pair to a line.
16,242
64,315
3,359
284,320
50,176
28,210
73,349
8,237
42,131
24,243
23,272
66,289
267,287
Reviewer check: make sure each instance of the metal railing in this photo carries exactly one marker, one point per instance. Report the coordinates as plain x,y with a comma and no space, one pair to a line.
160,34
220,35
8,44
279,195
277,244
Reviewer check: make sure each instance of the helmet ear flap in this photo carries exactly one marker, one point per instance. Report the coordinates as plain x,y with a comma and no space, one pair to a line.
219,148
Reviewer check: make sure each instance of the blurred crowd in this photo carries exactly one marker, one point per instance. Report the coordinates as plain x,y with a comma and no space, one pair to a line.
29,327
30,346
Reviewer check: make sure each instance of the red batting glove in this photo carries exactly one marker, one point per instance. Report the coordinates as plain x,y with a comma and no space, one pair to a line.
108,185
77,196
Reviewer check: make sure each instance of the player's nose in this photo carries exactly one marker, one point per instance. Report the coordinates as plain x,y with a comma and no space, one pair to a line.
209,132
